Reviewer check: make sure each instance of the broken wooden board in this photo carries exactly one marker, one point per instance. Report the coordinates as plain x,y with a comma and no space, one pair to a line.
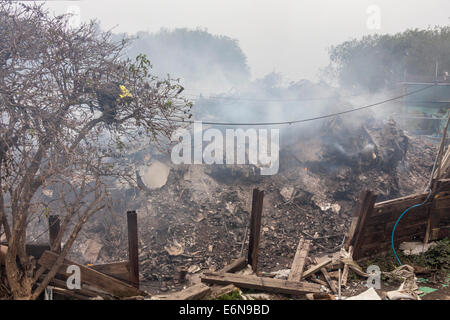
327,277
398,204
363,213
92,277
319,281
371,230
316,268
69,293
320,296
263,284
346,268
118,270
194,292
85,290
442,184
299,260
235,266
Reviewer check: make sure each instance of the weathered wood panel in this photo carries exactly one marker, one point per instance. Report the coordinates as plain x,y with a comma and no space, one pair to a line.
299,260
92,277
260,283
371,233
118,270
194,292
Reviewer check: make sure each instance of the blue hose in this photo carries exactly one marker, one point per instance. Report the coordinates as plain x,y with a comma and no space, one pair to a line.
398,220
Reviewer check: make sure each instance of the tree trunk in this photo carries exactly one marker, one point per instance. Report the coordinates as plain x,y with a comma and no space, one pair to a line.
19,282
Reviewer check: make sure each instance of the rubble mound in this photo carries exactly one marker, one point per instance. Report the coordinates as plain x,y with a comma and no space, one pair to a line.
198,218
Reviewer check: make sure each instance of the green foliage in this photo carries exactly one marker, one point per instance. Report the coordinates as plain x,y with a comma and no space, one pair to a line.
140,68
437,257
234,295
376,61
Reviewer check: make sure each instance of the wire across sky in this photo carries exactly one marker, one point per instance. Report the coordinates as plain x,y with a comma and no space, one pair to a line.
302,120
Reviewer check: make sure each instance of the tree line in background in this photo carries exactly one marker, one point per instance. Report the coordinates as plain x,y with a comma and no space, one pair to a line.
370,63
200,59
375,62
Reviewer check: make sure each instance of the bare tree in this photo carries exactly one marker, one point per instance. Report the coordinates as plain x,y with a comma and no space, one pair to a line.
70,105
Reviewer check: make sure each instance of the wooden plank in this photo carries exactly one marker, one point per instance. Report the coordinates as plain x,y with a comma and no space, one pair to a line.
327,277
355,219
92,277
70,294
320,296
440,233
194,292
235,266
345,272
299,260
366,210
319,281
440,212
260,283
255,228
316,268
403,229
133,248
442,200
365,207
372,249
442,185
118,270
415,214
83,291
399,204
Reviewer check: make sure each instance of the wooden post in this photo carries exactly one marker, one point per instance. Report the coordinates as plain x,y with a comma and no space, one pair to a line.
133,254
434,215
363,212
54,226
255,228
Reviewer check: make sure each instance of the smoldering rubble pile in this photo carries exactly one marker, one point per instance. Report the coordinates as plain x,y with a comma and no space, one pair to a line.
317,278
195,217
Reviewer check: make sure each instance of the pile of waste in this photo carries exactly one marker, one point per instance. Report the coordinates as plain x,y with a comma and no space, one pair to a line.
195,217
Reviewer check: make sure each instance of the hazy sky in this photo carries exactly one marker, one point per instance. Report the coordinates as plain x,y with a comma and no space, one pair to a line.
287,36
